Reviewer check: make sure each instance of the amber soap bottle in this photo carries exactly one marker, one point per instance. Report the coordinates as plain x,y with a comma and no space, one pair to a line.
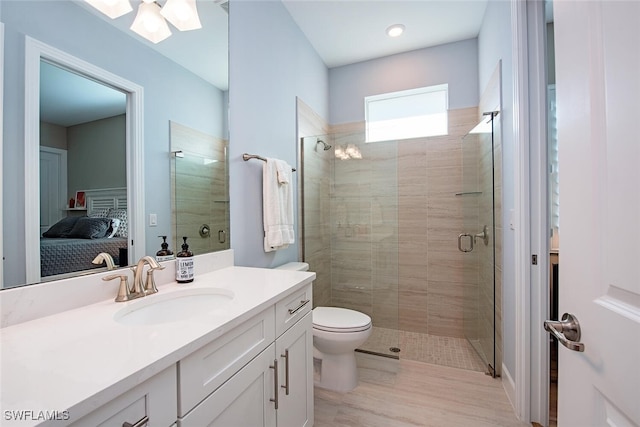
184,264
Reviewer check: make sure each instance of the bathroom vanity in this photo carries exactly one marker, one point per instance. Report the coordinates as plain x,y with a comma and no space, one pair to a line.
232,348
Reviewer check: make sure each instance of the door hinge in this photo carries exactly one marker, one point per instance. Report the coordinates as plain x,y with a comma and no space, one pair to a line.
534,259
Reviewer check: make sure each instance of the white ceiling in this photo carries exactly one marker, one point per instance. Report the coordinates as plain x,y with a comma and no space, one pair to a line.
341,31
67,99
349,31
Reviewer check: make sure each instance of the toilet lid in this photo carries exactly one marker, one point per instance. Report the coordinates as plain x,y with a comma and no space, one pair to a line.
334,319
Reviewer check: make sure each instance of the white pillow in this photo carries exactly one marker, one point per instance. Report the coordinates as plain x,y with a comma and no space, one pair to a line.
113,229
120,214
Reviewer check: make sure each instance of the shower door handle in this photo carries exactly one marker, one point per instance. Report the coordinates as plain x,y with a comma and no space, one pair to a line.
468,249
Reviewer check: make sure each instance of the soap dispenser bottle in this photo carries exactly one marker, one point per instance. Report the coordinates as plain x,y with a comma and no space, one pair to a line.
164,254
184,264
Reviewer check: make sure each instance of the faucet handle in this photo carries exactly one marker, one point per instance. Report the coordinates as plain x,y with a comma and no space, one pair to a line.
123,291
150,283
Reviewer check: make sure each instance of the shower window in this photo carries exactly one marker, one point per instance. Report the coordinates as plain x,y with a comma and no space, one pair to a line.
407,114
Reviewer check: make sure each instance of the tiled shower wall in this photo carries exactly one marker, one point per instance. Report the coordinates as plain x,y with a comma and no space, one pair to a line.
408,276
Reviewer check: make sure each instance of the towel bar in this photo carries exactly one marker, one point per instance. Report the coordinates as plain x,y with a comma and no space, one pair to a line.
246,157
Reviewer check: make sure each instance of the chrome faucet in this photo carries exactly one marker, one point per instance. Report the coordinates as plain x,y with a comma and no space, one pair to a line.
104,257
149,285
126,293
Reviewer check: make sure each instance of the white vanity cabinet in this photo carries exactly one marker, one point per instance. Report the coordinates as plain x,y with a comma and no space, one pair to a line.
294,350
228,366
153,400
258,374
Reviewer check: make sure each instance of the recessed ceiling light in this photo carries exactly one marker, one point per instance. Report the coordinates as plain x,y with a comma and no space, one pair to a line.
395,30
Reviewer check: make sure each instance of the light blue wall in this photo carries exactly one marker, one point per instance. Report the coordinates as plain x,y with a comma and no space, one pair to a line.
452,63
97,153
170,93
494,44
271,63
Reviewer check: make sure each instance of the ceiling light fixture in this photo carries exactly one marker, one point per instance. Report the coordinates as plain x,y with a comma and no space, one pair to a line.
149,23
150,20
395,30
112,8
182,14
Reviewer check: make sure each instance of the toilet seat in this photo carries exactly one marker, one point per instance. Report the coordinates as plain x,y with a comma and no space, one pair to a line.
340,320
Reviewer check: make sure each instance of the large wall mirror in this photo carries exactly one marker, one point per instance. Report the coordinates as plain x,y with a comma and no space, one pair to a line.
87,115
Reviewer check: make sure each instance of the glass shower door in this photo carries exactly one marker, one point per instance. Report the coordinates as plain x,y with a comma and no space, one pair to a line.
477,240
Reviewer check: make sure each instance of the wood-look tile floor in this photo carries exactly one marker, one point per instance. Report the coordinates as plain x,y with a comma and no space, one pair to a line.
399,393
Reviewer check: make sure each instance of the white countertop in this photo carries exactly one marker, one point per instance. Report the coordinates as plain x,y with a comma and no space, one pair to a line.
80,359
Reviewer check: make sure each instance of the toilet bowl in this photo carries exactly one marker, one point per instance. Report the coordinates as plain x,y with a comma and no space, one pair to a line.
337,332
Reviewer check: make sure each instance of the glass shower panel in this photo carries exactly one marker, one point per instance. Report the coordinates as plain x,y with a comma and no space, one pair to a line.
200,196
315,187
350,228
478,240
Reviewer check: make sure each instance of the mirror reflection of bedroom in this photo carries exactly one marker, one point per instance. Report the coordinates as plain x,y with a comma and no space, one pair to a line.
83,182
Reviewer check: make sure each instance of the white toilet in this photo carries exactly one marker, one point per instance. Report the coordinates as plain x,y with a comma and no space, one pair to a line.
337,332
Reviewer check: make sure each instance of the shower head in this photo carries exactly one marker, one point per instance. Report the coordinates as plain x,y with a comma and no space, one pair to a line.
324,144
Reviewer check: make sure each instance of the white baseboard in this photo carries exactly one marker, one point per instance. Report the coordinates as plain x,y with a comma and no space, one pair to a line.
509,387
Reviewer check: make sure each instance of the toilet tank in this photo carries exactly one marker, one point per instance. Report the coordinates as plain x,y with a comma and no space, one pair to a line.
295,266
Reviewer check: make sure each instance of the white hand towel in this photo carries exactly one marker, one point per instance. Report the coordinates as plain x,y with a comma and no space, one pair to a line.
277,205
284,172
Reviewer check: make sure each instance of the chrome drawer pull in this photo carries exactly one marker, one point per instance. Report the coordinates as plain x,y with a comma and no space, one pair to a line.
275,382
302,304
143,422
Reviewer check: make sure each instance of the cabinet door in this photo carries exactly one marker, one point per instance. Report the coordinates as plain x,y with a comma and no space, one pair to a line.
295,352
243,401
154,399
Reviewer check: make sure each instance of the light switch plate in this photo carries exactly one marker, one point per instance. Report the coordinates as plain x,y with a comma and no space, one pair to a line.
153,220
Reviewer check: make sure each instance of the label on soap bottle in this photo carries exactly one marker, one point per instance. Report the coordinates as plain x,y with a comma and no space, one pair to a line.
184,269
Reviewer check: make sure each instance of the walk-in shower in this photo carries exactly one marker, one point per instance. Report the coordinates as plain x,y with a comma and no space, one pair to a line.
380,223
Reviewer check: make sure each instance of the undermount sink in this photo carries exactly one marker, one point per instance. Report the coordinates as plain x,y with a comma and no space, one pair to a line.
174,306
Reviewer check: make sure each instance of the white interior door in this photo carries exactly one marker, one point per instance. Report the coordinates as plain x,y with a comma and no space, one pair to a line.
53,186
598,101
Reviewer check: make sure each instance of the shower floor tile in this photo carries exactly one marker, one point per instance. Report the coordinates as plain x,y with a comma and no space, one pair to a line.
444,351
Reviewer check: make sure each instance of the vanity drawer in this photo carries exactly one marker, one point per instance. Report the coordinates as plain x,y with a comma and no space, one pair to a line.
243,401
203,371
293,308
154,399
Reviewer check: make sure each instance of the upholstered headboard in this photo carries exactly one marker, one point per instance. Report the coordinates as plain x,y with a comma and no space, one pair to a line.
106,198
